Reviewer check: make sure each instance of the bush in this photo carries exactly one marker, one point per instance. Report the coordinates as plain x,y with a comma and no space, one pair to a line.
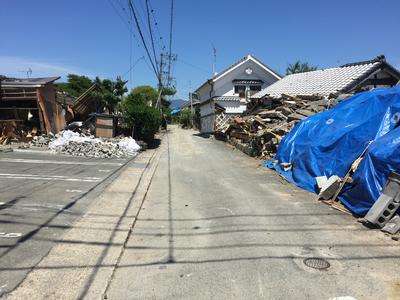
146,120
185,118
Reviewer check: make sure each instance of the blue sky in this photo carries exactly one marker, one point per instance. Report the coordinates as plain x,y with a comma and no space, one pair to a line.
89,37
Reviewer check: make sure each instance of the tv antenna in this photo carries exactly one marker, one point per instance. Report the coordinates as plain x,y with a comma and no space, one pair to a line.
27,72
214,60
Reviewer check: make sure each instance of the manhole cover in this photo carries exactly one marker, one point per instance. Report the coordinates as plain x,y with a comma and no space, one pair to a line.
316,263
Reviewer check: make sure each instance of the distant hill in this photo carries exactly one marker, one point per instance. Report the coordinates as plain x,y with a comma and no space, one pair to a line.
176,103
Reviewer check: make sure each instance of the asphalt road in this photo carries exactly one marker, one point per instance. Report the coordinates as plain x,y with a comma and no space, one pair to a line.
215,225
41,196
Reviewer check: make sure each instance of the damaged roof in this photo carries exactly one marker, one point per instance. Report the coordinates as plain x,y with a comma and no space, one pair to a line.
27,82
328,81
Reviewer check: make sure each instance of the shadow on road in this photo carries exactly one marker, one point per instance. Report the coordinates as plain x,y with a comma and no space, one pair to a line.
202,135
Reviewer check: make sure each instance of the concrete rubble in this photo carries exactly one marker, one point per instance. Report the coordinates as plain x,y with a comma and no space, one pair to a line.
81,144
76,144
329,187
393,226
266,121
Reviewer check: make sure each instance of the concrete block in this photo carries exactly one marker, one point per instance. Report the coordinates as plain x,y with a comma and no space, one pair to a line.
321,181
330,187
387,204
393,226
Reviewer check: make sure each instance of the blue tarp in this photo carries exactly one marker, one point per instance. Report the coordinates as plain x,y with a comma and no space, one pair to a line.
328,143
176,111
382,158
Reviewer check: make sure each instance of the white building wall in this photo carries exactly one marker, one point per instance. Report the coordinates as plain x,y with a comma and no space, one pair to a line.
207,108
225,86
203,94
233,107
207,124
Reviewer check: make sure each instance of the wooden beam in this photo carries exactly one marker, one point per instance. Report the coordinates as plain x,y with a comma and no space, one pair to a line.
46,124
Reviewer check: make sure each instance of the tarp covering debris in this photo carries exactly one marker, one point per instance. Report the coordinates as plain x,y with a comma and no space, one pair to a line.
328,143
176,111
382,158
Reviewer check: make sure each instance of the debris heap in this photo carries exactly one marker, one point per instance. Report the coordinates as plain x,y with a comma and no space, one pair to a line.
79,144
266,121
15,131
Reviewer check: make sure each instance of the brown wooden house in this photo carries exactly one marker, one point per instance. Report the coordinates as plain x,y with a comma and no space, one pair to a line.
32,102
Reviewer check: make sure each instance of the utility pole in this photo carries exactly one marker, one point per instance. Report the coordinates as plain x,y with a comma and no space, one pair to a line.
191,102
160,83
160,75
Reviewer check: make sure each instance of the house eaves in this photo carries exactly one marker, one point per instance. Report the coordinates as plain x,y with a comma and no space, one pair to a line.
27,82
237,65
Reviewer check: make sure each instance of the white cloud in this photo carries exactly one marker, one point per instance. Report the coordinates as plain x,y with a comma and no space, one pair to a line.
15,66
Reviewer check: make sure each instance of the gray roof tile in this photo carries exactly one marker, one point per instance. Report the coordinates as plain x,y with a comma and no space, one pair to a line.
322,82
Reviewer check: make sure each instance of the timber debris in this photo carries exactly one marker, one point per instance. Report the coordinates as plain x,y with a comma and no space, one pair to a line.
266,121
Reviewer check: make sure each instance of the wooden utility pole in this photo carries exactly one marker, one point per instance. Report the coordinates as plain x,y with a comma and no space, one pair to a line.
160,83
160,75
191,102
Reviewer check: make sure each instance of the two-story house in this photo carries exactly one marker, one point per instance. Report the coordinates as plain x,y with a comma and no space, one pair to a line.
225,95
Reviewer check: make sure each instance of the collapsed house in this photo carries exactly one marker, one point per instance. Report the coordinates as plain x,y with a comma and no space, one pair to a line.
225,95
31,104
349,154
275,110
334,132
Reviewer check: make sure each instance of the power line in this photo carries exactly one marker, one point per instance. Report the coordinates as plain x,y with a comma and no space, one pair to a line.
170,40
123,9
160,40
139,15
132,66
151,31
130,51
142,37
120,16
126,22
193,66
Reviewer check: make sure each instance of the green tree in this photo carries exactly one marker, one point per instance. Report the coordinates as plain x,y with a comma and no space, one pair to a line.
76,85
140,114
143,95
299,67
185,118
109,92
166,92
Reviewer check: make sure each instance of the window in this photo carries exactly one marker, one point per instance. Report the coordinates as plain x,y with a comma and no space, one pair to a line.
240,89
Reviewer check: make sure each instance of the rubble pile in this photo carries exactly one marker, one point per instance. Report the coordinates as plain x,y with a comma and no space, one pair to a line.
12,131
266,121
80,144
42,140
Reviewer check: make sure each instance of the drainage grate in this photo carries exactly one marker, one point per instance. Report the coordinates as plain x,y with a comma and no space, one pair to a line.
316,263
